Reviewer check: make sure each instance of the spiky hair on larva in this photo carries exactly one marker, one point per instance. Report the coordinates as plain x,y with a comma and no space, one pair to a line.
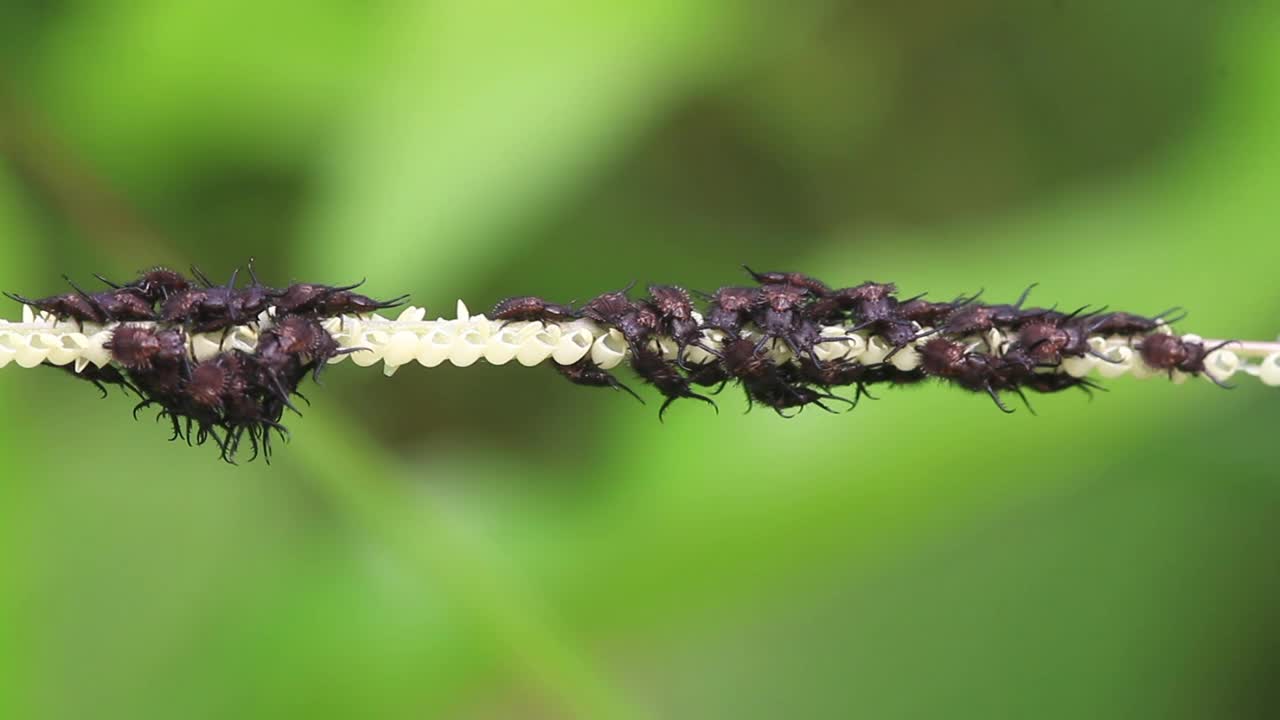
224,362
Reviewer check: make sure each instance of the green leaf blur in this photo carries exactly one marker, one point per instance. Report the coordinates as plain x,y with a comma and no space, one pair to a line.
495,543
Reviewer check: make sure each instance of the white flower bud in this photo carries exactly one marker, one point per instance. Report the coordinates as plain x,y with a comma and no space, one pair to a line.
573,346
1269,369
376,341
26,354
609,350
412,314
1079,366
501,347
468,347
906,359
875,351
401,347
434,348
58,348
1222,364
1122,361
538,346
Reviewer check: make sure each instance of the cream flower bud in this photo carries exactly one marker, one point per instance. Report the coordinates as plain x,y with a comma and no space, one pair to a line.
1269,369
875,351
906,359
434,348
574,344
468,346
376,341
1121,361
1079,366
501,347
401,347
539,345
609,350
1222,364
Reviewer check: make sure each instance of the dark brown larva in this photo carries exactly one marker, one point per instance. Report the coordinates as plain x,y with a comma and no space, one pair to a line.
812,285
664,376
585,372
139,347
530,308
68,306
330,301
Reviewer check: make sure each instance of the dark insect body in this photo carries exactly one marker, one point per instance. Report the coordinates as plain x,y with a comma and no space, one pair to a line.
812,285
710,374
250,302
1048,342
585,372
119,304
76,306
636,321
154,285
925,313
867,303
605,307
530,309
204,309
294,343
972,317
781,315
1122,323
758,374
653,369
843,373
329,301
345,302
776,310
1057,382
676,320
213,380
1171,353
250,416
952,361
765,382
139,347
99,376
730,309
125,306
786,397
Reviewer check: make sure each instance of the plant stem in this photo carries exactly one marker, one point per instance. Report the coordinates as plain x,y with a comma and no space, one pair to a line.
1248,348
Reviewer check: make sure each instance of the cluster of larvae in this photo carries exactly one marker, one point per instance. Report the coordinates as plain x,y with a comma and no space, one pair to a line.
227,396
769,338
224,362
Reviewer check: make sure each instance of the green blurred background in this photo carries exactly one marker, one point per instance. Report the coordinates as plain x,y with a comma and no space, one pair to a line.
495,543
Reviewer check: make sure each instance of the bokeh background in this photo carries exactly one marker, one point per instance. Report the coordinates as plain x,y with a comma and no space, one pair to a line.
495,543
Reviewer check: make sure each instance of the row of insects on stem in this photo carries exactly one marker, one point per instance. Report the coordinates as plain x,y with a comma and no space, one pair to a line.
793,309
233,395
237,394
